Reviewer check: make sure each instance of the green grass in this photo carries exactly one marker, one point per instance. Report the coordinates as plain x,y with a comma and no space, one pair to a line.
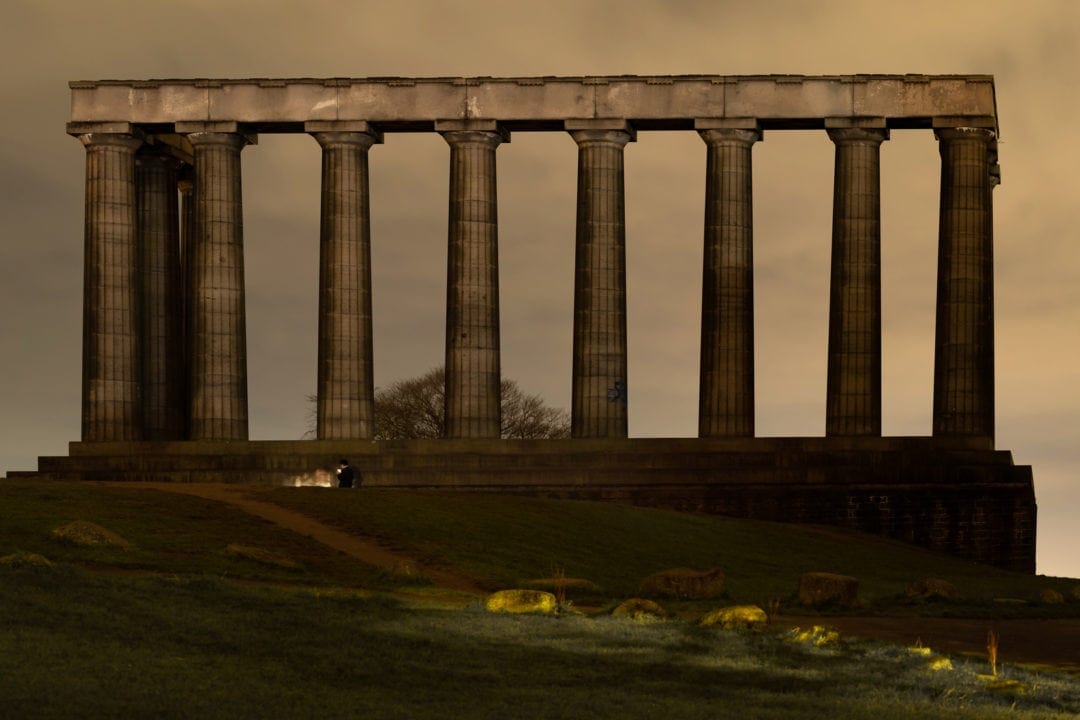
77,642
177,628
504,540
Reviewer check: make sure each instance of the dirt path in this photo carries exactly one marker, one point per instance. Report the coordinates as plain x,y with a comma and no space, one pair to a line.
1023,640
365,549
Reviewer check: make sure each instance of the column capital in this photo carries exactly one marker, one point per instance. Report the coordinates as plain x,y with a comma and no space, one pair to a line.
600,130
343,132
235,141
124,141
483,131
981,134
844,135
216,133
740,136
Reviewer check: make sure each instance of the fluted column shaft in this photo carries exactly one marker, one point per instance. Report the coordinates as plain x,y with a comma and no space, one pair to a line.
964,347
726,394
159,255
853,397
346,381
218,399
186,187
473,373
599,401
111,382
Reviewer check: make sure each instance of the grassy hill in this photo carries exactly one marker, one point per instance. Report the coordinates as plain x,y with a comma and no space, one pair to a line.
179,625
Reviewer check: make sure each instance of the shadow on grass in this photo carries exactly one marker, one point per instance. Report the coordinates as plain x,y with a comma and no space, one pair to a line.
207,648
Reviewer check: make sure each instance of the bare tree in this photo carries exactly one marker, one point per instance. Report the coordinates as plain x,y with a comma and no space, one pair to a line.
414,408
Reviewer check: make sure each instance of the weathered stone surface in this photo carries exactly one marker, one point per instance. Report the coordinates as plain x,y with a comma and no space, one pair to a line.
684,583
824,589
736,617
726,396
853,388
964,330
82,532
522,601
599,396
346,385
639,609
783,100
932,589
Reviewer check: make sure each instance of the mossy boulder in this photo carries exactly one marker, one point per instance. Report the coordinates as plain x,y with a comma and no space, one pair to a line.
640,609
1049,596
522,601
736,617
684,583
930,589
87,534
22,559
819,589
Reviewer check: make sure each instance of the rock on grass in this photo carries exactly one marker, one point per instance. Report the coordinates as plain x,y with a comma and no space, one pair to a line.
823,589
522,601
639,609
1049,596
87,534
932,589
685,583
736,617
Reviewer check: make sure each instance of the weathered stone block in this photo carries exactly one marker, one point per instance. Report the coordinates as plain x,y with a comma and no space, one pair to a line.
685,583
736,617
824,589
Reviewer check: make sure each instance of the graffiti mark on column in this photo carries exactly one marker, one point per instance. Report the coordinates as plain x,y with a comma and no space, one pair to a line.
617,392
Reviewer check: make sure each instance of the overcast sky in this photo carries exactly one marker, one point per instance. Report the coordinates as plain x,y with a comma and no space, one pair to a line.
1031,48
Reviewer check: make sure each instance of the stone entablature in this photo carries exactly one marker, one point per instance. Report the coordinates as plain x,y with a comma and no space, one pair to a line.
664,102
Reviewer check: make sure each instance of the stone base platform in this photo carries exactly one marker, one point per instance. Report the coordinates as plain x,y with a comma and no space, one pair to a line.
956,496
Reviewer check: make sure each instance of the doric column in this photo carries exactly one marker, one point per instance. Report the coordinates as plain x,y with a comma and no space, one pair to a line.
218,407
964,348
726,394
111,392
159,260
599,403
853,396
473,375
186,186
346,385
